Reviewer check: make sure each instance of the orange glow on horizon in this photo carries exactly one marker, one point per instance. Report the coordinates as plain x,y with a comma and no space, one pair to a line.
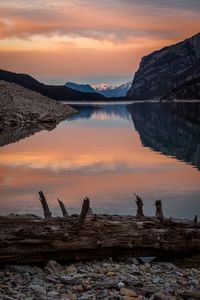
75,31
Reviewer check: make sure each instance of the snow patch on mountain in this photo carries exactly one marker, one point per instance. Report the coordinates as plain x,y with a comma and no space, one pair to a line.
110,90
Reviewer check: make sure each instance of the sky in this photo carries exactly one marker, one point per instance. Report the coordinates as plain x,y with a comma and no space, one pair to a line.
89,41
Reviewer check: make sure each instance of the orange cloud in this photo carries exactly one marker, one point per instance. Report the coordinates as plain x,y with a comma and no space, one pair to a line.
104,38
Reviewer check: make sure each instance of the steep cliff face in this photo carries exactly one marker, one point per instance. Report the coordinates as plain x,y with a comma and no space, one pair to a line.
189,89
165,70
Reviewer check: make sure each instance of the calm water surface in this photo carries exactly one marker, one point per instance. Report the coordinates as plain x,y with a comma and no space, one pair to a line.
108,153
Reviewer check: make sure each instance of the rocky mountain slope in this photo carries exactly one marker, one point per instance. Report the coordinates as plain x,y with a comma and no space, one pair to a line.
167,69
85,88
190,90
57,92
24,112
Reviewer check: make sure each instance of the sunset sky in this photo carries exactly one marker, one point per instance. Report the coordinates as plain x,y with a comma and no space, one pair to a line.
88,40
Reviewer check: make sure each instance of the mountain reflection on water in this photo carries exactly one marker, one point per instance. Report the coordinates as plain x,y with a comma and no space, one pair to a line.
170,128
102,112
108,153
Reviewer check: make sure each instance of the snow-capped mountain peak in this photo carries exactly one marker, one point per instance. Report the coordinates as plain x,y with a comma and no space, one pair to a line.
103,86
106,89
110,90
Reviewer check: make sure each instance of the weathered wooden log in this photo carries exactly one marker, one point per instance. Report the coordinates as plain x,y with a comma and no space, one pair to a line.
46,210
140,204
84,212
33,240
159,210
63,208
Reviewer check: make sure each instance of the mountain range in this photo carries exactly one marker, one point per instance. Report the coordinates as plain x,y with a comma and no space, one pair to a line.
105,89
170,72
57,92
110,91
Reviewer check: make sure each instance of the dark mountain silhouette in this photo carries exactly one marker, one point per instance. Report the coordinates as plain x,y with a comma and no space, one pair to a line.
85,88
164,71
169,128
190,88
57,92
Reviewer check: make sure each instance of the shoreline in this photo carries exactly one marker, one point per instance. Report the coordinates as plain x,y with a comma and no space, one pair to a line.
128,102
24,112
123,279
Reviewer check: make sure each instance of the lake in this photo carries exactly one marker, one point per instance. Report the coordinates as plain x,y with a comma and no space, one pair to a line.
108,153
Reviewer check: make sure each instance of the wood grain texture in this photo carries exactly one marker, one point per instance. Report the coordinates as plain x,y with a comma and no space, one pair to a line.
33,239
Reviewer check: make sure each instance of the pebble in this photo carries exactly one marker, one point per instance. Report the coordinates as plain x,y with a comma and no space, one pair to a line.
156,280
38,289
106,284
78,288
53,267
160,296
128,292
27,277
111,273
52,294
71,269
120,285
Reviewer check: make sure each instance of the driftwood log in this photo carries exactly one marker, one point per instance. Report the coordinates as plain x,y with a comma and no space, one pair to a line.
31,239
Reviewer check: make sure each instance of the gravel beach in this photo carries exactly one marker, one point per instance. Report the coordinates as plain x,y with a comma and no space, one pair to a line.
24,112
124,279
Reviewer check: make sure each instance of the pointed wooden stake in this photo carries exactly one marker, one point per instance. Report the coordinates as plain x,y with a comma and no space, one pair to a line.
46,210
195,219
84,212
63,209
159,211
140,204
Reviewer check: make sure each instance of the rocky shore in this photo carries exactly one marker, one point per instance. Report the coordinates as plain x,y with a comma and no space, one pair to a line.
24,112
125,279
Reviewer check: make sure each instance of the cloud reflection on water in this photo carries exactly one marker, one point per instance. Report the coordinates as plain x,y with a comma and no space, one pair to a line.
84,157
